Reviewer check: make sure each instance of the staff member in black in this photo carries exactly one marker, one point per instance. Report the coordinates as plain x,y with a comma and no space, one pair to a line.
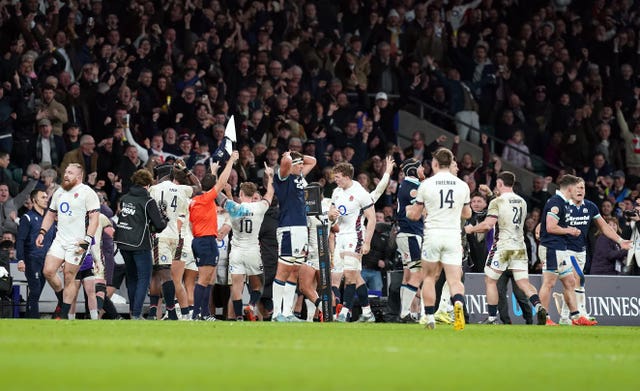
30,256
138,217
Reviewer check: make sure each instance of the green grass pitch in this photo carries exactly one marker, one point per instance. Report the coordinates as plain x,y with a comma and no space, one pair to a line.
127,355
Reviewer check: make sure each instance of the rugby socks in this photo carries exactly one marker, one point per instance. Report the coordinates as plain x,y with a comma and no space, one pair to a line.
336,294
534,300
575,315
493,311
198,299
363,298
153,307
580,300
59,296
457,298
445,295
169,294
429,311
311,309
278,294
64,310
72,317
288,298
254,297
407,293
205,311
93,314
349,297
237,308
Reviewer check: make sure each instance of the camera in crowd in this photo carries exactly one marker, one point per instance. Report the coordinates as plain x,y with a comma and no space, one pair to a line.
629,214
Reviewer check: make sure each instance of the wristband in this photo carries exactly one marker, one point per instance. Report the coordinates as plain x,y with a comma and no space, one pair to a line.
620,240
88,238
42,232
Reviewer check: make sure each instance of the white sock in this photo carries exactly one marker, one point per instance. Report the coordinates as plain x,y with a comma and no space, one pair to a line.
445,298
565,309
72,316
311,309
366,310
344,311
277,293
94,314
289,298
406,299
580,300
421,302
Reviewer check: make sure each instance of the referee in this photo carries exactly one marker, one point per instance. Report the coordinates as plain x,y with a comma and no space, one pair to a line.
204,225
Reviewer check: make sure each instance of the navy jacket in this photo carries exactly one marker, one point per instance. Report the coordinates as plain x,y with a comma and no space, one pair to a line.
28,230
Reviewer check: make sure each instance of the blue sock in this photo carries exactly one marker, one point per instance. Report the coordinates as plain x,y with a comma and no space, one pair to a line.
153,306
429,309
363,295
336,294
198,297
64,310
237,308
205,311
169,294
573,314
493,309
349,295
254,297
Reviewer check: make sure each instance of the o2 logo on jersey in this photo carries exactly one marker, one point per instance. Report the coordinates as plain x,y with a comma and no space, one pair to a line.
65,208
221,243
342,209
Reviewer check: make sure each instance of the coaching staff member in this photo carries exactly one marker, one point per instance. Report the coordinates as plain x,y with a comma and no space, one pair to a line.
138,218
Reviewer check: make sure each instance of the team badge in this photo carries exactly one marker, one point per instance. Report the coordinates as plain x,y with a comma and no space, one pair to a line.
585,210
351,198
75,195
350,245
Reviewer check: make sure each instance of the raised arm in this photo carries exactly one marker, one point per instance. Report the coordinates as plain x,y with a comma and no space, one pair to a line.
268,172
224,177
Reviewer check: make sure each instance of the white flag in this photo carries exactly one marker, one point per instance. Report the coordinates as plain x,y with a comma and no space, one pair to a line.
230,133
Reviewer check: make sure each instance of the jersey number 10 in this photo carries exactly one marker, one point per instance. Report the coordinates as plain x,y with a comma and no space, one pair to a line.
246,226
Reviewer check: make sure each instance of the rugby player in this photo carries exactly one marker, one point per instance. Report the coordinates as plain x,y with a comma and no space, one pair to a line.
76,207
507,213
446,200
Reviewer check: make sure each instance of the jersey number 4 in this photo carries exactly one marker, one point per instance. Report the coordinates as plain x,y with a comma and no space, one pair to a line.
446,198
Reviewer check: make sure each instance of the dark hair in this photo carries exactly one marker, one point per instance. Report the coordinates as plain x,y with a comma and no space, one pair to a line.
568,180
34,194
208,182
508,178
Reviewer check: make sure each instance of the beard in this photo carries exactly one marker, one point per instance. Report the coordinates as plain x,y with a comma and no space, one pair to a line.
68,185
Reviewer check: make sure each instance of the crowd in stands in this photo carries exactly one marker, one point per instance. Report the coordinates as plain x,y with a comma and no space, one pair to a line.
120,85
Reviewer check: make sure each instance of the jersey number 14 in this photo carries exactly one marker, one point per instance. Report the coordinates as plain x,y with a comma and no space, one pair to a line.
446,198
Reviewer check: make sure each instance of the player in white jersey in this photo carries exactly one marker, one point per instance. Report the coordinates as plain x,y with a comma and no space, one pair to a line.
244,261
77,208
351,204
104,225
336,271
173,198
507,213
446,199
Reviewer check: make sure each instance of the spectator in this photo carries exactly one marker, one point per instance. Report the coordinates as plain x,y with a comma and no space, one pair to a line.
52,110
85,156
48,148
516,152
608,258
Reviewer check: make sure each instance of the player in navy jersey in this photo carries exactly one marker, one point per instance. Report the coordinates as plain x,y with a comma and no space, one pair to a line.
409,239
292,235
582,213
554,230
